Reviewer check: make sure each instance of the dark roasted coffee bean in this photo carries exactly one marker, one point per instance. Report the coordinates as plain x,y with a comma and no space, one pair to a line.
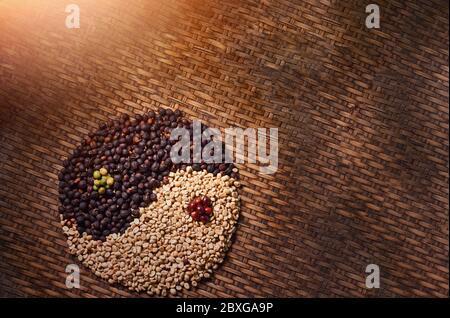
83,205
162,167
155,167
134,180
136,198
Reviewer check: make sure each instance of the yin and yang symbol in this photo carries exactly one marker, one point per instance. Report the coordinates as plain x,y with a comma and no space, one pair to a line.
127,209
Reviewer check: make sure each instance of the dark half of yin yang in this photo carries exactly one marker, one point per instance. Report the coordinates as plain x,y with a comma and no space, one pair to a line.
136,154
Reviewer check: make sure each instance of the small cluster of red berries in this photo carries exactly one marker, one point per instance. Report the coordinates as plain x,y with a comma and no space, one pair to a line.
200,209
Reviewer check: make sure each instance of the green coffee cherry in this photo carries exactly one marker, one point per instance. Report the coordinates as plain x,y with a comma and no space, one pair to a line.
97,174
103,171
101,190
110,181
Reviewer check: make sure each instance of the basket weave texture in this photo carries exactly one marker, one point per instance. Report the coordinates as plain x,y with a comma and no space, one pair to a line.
363,132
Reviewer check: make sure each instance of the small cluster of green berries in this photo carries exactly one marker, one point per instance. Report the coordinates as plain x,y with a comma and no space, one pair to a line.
102,180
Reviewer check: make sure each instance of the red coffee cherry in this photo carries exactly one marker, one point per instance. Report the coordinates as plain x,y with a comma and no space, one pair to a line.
200,209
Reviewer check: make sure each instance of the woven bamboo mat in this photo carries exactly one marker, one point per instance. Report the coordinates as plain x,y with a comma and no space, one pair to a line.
363,131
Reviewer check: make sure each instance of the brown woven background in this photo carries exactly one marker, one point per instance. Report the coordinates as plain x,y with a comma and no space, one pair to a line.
362,117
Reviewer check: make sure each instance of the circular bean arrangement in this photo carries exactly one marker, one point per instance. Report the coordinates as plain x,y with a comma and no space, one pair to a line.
127,210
